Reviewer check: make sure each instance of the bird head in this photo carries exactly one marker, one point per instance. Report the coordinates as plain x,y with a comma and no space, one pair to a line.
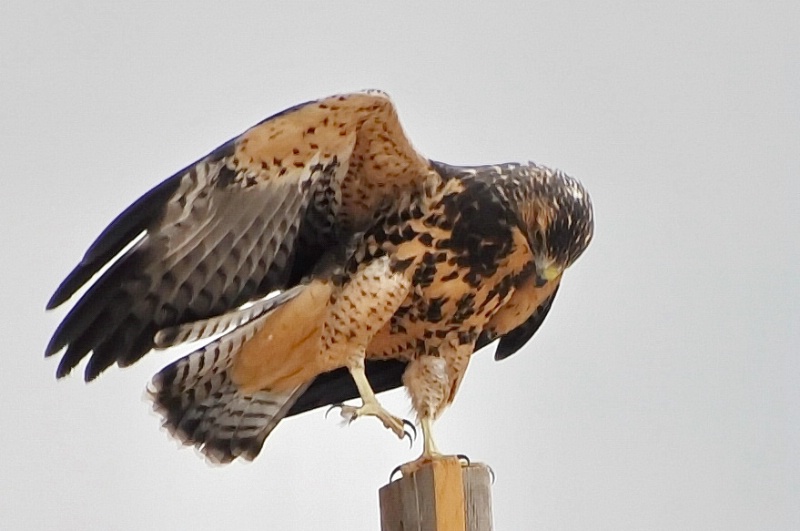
559,221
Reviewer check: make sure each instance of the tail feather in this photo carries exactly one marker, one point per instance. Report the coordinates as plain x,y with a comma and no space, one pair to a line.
203,406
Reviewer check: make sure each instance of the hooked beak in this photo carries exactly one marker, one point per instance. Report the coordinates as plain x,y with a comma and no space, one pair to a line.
547,274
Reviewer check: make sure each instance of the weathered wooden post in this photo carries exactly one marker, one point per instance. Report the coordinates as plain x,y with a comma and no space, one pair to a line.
442,496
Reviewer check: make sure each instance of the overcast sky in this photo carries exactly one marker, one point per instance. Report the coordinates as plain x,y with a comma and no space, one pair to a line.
663,391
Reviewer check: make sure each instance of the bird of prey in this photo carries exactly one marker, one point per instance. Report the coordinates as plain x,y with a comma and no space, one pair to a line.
322,258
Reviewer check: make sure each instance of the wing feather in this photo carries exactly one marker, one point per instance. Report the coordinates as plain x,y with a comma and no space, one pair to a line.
114,238
225,230
519,336
224,323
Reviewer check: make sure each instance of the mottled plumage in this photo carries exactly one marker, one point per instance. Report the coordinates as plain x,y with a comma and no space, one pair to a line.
391,269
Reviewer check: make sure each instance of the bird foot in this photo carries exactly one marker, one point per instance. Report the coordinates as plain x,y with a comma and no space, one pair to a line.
426,459
401,427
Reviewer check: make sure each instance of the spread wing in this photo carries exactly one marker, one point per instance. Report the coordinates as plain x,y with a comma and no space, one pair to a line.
252,217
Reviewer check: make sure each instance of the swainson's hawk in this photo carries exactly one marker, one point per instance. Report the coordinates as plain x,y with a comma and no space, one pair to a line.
390,269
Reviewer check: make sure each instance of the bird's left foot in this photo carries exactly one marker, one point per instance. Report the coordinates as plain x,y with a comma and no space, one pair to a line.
401,427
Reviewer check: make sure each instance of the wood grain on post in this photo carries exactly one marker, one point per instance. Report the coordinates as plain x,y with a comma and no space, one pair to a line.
442,496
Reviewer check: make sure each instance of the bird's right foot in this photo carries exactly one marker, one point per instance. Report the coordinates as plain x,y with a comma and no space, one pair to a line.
401,427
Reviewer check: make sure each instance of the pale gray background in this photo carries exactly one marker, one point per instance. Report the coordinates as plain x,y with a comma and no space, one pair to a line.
663,391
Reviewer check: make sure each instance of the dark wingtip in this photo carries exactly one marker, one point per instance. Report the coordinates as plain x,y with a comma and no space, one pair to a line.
133,220
53,346
60,297
61,337
519,337
119,233
55,301
89,377
502,353
63,370
96,365
68,287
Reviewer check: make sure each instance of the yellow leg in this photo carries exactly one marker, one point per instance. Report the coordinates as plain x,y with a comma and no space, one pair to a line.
370,407
430,452
429,449
362,383
431,381
356,313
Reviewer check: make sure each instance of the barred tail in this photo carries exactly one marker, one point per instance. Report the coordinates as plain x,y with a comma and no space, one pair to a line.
202,406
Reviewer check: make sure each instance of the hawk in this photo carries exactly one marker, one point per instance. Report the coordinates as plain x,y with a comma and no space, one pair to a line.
321,258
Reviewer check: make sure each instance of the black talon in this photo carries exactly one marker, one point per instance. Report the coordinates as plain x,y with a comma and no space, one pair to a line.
491,473
398,468
413,428
466,459
333,406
